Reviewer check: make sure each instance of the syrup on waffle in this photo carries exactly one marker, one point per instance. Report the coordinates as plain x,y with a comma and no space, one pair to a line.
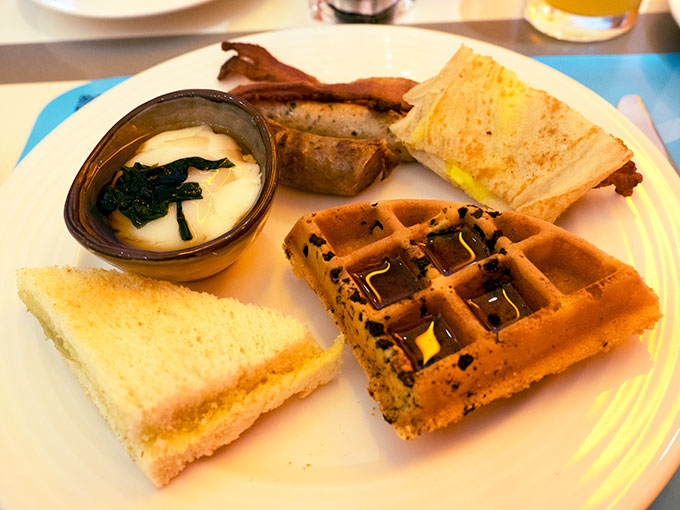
447,306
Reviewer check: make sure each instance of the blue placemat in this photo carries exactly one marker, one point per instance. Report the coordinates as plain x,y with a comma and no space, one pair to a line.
654,77
64,105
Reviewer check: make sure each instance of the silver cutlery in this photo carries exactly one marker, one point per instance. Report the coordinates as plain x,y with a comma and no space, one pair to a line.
633,108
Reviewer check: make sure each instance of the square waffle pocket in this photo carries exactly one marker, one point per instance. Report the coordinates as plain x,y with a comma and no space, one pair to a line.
448,306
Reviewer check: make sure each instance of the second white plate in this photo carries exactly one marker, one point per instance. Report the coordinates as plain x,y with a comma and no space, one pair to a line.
119,8
674,6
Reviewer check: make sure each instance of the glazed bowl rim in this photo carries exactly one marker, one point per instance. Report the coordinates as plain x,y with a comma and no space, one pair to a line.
120,251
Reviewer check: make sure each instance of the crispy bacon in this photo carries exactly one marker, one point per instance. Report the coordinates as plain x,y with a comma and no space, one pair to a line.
314,162
257,64
339,166
624,179
377,93
280,82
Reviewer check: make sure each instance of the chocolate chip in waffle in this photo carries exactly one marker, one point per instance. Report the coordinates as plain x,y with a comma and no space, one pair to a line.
447,306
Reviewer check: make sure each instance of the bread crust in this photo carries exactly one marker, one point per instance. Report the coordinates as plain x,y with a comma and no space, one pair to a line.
175,373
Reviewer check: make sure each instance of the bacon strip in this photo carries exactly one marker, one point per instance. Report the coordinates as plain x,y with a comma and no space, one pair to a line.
280,82
377,93
257,64
624,179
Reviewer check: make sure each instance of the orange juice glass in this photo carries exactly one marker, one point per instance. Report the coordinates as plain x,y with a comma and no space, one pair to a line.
582,20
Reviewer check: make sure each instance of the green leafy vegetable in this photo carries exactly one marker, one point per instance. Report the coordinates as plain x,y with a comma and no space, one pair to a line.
143,193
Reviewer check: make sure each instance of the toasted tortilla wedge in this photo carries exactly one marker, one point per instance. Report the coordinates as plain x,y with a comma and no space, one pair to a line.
508,145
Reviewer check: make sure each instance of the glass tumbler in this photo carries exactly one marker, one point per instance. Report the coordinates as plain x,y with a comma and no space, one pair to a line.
582,20
358,11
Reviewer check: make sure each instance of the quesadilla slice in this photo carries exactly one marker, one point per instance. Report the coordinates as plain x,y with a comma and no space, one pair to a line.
505,143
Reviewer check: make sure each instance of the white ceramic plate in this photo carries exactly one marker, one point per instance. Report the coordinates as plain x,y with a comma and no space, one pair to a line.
118,8
675,10
601,435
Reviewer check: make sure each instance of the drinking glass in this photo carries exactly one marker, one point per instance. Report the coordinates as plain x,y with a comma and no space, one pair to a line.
358,11
582,20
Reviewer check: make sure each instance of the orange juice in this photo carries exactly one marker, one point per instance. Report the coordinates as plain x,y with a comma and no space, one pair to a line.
596,7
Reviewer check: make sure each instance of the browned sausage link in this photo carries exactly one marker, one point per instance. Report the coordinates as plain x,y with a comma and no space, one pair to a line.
340,120
324,164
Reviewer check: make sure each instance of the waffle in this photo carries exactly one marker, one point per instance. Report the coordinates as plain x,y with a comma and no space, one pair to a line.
448,307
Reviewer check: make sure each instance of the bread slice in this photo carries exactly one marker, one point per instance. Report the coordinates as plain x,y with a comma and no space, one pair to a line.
508,145
176,373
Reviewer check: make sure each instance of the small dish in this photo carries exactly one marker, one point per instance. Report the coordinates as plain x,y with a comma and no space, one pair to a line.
224,113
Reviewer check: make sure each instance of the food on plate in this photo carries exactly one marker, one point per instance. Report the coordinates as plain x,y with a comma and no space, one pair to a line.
325,164
507,144
331,137
448,307
258,64
624,179
283,82
181,188
336,120
227,186
176,373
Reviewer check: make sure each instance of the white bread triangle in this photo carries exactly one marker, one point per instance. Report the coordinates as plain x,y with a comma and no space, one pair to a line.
176,373
524,149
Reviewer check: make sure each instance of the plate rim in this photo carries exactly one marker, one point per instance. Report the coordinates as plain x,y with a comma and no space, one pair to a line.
673,453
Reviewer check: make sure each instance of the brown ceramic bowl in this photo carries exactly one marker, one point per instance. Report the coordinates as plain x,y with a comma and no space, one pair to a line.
223,112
